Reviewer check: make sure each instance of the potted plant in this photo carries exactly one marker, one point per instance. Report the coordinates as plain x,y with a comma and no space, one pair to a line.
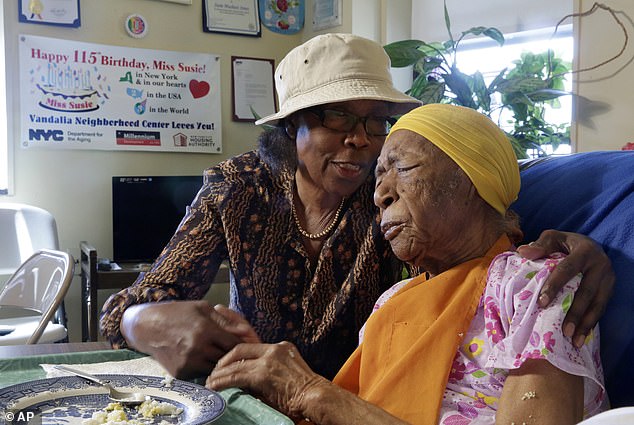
535,80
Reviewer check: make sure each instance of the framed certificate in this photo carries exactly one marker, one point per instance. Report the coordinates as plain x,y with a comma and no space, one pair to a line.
326,14
233,17
252,87
50,12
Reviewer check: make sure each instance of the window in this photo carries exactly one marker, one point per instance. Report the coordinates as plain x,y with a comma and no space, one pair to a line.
489,58
4,144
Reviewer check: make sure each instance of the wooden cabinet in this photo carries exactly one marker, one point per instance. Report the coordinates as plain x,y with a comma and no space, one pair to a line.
92,280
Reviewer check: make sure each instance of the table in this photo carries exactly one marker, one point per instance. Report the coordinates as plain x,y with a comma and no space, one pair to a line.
20,364
93,279
12,351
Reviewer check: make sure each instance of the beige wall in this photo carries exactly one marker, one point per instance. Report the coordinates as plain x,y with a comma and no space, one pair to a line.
74,185
611,87
383,21
428,19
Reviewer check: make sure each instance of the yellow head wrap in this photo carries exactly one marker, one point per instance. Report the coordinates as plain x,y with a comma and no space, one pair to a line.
473,142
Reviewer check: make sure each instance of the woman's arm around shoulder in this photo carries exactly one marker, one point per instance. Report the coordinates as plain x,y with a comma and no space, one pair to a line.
548,376
586,257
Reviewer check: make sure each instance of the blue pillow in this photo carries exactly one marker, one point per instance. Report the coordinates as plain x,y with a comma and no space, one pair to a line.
592,193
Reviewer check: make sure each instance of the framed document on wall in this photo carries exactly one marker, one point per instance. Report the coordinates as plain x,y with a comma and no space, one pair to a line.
235,17
50,12
326,14
253,88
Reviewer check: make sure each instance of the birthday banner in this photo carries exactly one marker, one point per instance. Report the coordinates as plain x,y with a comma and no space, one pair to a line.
93,96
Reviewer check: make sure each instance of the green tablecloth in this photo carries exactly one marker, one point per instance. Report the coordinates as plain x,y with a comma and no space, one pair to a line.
242,409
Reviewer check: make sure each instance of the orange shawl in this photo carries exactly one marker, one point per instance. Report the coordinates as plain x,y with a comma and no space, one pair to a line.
409,344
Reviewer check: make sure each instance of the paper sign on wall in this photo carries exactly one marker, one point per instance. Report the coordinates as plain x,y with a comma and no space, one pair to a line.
93,96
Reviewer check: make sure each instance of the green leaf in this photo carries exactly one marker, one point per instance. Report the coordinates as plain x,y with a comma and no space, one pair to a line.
434,92
449,46
543,95
427,90
418,86
404,53
429,64
493,33
257,117
457,83
518,148
447,21
497,81
522,85
481,92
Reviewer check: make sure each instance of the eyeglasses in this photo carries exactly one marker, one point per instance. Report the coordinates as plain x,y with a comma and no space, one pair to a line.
345,122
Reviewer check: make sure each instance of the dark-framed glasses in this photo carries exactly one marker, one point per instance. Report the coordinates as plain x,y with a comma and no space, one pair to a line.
345,122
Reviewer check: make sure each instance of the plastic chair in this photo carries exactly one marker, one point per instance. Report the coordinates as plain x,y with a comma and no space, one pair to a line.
39,286
25,229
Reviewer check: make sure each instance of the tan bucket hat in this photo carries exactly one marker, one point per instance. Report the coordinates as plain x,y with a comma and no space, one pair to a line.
333,68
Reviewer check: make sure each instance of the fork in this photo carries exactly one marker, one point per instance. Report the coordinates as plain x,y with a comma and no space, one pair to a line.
125,398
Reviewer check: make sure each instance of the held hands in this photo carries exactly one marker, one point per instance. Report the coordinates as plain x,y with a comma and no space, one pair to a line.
234,323
186,337
585,256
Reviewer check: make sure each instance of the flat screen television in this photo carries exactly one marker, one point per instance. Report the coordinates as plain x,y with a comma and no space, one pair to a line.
145,213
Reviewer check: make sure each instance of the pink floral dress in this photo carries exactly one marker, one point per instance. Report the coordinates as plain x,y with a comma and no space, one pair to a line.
509,327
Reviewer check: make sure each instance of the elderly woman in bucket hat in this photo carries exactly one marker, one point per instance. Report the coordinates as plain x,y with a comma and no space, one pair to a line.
464,343
296,222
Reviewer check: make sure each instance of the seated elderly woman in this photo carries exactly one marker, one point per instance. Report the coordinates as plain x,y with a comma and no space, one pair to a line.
467,342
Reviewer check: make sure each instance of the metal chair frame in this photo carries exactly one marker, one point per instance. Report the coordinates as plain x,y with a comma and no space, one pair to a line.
40,284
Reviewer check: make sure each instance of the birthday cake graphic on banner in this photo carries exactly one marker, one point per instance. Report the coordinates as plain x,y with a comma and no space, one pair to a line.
72,90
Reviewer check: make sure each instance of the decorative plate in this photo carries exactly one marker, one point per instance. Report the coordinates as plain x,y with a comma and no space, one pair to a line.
72,400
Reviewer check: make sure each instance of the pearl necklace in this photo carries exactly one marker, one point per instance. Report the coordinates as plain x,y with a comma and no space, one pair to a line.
324,232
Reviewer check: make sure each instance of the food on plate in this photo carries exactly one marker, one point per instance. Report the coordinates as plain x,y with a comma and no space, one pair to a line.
150,408
168,380
112,414
115,414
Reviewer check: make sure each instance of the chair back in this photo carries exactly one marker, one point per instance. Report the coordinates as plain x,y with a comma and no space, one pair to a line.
40,284
24,229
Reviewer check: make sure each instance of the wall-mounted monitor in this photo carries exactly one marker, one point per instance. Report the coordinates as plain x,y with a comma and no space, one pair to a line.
145,213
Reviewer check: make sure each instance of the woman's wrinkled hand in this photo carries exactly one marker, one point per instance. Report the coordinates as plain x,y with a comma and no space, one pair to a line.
584,256
276,373
234,322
